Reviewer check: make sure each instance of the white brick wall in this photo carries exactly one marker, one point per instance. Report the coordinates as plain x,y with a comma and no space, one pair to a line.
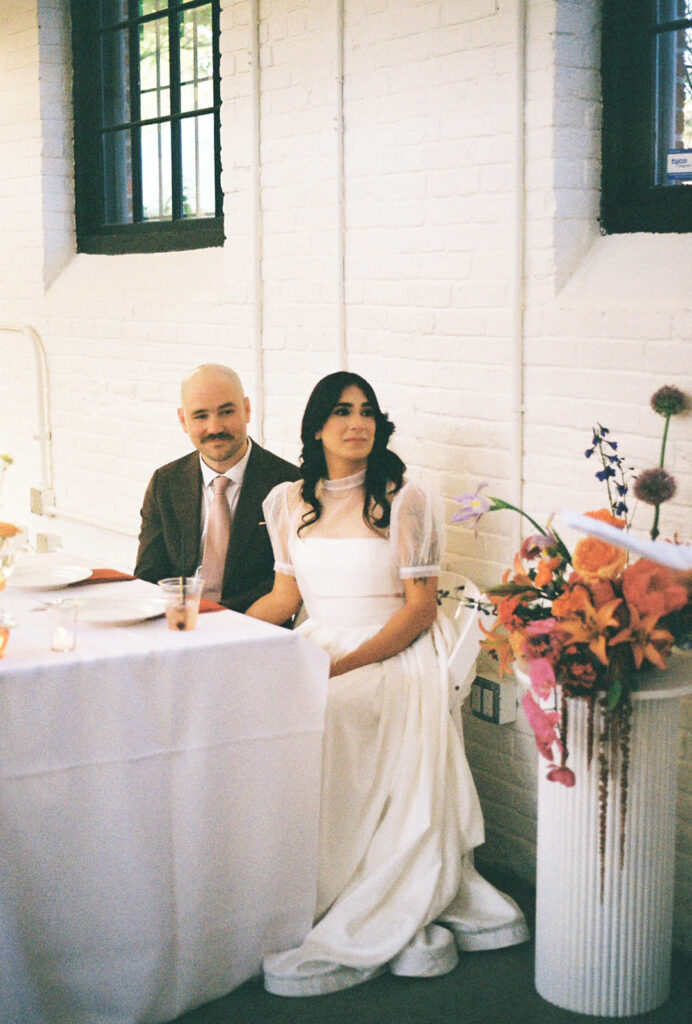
428,150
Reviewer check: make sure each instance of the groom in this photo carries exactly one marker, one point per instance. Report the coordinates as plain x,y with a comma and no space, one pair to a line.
189,520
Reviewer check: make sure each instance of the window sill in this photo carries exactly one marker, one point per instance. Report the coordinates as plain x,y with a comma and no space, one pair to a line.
632,271
153,238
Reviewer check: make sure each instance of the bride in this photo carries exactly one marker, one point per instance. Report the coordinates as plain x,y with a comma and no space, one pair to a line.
361,546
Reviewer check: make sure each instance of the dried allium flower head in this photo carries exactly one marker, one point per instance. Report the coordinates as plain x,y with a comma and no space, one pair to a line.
654,486
669,401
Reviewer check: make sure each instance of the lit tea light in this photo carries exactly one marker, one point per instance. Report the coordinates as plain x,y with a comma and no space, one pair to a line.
61,639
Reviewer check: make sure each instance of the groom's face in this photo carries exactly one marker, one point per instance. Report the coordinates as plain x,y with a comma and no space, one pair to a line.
215,415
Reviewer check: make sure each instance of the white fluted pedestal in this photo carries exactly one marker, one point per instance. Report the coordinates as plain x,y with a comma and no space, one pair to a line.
610,954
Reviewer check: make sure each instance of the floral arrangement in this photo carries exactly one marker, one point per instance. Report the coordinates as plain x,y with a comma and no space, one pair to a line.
5,463
587,621
9,537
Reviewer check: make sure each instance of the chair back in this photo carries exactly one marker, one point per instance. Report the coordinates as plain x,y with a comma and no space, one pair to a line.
464,653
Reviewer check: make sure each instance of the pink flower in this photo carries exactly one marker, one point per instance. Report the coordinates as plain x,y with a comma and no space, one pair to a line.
561,774
543,724
542,677
539,626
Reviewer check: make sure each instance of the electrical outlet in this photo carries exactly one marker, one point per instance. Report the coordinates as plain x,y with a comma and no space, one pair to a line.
40,500
494,701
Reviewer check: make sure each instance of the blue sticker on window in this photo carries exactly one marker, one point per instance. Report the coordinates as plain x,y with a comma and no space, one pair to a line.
679,165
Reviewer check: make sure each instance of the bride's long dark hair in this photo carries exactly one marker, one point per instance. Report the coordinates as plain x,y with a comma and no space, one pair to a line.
384,473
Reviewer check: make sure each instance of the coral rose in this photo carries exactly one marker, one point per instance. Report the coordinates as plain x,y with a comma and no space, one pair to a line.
650,588
595,559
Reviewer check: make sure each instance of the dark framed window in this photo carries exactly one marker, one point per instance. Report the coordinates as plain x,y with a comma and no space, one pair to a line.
647,116
147,138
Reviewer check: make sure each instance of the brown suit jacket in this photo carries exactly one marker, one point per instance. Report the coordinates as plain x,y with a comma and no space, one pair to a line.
171,526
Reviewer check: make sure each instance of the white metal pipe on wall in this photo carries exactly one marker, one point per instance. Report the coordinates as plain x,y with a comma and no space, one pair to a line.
341,191
45,440
518,244
42,396
256,171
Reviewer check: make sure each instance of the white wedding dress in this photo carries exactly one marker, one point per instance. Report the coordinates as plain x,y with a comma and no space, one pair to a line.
399,809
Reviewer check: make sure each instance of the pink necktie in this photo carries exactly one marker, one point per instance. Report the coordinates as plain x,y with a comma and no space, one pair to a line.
216,543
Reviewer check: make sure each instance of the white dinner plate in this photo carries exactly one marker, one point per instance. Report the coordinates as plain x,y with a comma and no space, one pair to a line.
47,577
123,611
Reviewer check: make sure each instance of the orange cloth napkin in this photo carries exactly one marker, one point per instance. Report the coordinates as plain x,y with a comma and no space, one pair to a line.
107,576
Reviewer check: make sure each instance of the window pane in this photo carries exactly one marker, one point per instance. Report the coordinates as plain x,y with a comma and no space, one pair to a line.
154,95
673,114
115,80
151,6
199,195
156,171
196,59
113,11
671,10
117,165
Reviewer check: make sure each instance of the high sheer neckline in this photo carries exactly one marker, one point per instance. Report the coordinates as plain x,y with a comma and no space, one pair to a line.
345,483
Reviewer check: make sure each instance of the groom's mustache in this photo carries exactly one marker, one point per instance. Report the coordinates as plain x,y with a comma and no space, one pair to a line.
219,437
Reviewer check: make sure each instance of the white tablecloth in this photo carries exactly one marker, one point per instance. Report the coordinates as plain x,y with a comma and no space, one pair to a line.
159,799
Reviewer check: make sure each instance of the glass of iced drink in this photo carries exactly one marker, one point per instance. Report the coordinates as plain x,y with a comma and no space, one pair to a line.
181,595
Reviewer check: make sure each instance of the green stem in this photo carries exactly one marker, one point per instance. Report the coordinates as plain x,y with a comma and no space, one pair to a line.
663,443
499,503
654,527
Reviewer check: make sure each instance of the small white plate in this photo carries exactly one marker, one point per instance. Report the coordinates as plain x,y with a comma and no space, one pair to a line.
50,577
113,611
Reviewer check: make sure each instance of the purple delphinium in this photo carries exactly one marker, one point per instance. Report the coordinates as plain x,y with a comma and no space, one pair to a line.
613,471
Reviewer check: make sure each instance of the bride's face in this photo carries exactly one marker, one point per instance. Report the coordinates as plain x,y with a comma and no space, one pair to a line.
349,433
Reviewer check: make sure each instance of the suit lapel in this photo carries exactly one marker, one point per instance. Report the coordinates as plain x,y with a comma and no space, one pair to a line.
248,511
187,505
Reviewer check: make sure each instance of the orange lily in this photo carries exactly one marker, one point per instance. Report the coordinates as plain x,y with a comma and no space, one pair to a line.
590,625
545,569
520,574
572,601
644,638
498,643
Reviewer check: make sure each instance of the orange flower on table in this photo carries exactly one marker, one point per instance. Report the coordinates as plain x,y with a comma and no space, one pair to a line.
647,641
517,642
506,612
590,626
575,598
596,559
520,575
4,637
601,591
545,570
8,530
650,588
498,644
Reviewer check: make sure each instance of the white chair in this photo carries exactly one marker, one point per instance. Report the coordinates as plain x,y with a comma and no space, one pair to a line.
462,660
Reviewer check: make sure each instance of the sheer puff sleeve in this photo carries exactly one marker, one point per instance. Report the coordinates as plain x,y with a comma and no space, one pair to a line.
417,530
280,509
